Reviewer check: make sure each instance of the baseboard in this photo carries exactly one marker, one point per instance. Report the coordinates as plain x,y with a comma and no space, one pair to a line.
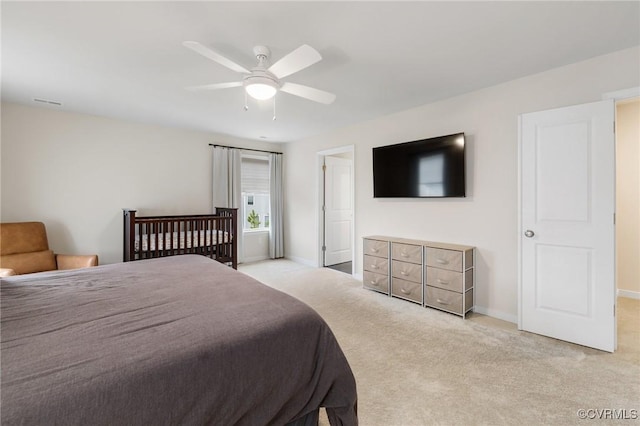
254,259
496,314
302,261
479,309
628,293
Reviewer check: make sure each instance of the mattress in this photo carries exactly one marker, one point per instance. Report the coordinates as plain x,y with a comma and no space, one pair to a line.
167,341
180,240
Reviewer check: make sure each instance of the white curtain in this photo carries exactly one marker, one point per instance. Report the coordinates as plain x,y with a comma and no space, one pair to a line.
227,191
276,236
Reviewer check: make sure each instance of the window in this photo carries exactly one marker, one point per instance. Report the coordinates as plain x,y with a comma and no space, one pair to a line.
255,192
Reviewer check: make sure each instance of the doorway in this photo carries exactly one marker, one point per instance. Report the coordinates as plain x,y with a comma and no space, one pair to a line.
628,197
628,221
336,209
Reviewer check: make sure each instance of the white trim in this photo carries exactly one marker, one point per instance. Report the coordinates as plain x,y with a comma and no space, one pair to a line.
629,294
632,92
255,230
254,259
338,150
477,309
319,213
620,96
302,261
519,223
496,314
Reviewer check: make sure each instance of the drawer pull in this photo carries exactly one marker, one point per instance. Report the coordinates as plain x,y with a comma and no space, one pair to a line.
443,302
403,273
404,291
374,266
404,254
374,250
442,281
442,261
375,283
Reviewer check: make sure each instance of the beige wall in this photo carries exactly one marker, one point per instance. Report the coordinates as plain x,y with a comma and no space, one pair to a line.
628,197
75,173
487,217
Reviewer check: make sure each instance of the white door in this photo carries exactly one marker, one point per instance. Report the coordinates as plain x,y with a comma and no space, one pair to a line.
338,210
567,239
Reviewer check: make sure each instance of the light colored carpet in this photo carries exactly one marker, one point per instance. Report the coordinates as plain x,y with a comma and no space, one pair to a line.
419,366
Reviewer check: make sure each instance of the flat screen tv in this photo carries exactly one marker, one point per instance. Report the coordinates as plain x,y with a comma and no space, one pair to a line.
426,168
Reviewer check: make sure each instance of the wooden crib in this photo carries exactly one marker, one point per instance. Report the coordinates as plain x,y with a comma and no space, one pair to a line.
158,236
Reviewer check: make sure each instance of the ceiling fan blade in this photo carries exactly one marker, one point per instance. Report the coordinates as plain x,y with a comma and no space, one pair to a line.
309,93
295,61
215,86
214,56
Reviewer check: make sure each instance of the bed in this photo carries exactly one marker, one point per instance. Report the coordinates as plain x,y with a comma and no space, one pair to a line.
166,341
160,236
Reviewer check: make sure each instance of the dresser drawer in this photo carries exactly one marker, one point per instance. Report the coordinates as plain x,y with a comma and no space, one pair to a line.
374,281
379,265
449,280
448,300
406,289
445,259
376,248
406,271
406,252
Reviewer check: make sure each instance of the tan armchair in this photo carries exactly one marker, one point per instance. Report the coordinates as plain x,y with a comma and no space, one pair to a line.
24,249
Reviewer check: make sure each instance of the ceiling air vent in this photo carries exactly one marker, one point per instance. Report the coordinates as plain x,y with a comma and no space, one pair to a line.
47,101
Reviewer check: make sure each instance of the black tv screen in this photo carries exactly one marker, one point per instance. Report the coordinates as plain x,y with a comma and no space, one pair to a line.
425,168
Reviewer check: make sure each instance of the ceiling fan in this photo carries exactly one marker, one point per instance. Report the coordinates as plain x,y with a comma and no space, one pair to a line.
264,80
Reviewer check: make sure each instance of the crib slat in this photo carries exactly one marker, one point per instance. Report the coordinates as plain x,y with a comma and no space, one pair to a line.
214,232
190,245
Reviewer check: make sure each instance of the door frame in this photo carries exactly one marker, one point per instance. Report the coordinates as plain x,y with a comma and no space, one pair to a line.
617,96
320,198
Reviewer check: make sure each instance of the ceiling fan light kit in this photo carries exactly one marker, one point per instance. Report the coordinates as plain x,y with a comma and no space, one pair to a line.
263,81
260,91
261,87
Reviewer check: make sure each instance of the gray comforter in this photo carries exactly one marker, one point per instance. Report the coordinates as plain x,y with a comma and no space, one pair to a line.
177,340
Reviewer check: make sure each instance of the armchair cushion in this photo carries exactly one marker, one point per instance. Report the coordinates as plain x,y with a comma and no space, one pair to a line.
71,261
23,237
26,263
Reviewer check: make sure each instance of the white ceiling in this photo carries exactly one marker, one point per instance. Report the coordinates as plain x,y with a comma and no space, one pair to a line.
126,59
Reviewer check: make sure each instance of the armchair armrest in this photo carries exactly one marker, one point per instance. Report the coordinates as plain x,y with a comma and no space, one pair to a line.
70,261
6,272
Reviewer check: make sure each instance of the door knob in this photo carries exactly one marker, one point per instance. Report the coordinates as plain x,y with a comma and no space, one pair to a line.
529,233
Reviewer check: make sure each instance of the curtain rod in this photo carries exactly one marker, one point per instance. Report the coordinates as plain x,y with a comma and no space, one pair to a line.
244,149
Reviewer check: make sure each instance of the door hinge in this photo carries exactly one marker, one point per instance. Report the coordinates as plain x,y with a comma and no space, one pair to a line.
324,167
614,218
324,248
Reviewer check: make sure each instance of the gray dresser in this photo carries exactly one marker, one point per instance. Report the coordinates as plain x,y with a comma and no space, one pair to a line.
375,274
436,275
